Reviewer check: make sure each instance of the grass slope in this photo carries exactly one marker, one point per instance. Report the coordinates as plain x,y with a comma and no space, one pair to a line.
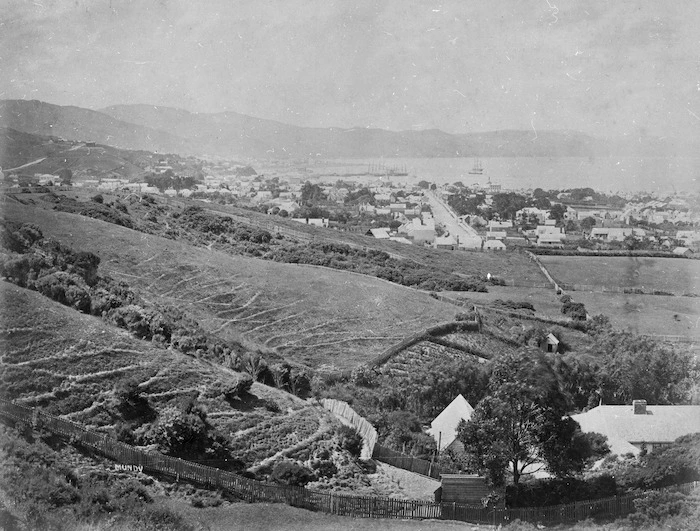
308,314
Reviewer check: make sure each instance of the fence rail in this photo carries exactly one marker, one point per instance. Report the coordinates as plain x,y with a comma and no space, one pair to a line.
331,503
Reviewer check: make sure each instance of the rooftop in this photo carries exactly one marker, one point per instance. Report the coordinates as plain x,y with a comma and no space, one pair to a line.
660,424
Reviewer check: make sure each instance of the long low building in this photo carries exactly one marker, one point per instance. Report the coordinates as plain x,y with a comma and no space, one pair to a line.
630,429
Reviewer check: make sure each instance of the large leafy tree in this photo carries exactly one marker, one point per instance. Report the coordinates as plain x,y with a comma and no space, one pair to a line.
521,424
507,204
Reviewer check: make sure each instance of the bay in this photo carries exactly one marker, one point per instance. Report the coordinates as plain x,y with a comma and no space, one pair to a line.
607,174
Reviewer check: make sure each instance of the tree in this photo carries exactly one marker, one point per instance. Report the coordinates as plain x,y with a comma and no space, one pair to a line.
311,193
508,204
588,223
424,184
522,422
66,176
557,212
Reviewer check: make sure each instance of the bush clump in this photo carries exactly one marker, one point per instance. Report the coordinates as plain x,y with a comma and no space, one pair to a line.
290,473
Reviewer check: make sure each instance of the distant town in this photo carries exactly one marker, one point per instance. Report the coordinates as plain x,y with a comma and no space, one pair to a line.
387,203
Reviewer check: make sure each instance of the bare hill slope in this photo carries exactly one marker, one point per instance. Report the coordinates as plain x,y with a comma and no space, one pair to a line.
311,315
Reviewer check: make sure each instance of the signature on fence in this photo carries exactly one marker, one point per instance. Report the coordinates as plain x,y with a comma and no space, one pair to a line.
128,468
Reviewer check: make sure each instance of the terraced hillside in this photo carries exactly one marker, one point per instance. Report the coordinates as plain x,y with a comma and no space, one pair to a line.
70,364
316,316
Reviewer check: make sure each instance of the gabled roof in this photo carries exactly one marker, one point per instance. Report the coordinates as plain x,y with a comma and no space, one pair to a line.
681,250
444,427
661,424
381,233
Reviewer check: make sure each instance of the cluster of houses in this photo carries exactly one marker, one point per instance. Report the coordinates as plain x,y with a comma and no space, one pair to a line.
630,429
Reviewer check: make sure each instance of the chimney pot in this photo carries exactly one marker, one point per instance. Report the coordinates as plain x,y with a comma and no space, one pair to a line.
640,407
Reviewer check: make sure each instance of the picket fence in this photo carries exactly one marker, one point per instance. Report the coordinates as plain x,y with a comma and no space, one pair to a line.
332,503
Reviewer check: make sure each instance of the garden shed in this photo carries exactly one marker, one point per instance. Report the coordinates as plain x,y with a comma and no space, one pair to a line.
468,489
550,344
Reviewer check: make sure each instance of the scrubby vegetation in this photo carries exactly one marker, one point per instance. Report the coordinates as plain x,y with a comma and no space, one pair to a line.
234,237
72,278
41,490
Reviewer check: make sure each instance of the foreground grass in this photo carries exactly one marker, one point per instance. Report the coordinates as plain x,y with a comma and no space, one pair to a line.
268,517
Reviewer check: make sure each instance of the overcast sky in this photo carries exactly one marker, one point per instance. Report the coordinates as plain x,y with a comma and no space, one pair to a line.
598,66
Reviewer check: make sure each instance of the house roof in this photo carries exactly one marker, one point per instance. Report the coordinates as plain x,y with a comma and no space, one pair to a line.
444,427
381,233
661,424
552,339
681,250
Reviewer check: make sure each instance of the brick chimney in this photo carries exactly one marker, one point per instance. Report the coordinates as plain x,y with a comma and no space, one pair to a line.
640,407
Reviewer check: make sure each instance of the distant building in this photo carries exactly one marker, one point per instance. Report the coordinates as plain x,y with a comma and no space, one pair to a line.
682,251
493,224
494,245
379,233
473,242
496,235
446,242
316,222
616,234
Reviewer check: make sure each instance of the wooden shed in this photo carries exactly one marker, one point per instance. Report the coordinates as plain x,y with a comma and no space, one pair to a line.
550,343
469,489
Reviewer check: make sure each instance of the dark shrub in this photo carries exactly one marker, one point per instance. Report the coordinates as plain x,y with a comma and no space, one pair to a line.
574,310
290,473
349,440
97,199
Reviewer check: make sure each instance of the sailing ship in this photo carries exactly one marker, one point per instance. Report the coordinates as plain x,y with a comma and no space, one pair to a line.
477,169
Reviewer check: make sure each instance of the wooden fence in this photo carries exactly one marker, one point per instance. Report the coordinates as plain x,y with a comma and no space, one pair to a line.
331,503
406,462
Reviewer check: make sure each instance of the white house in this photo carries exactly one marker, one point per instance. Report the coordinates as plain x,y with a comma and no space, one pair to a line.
631,428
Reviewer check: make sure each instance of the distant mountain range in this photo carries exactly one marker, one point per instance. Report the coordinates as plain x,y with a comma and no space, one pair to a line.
233,135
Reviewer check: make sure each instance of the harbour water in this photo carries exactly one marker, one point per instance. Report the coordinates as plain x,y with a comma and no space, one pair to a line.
608,174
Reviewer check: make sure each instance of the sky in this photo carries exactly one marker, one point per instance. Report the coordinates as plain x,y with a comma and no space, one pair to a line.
607,68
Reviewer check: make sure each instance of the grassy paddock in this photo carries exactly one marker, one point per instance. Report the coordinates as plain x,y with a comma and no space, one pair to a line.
664,274
646,314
